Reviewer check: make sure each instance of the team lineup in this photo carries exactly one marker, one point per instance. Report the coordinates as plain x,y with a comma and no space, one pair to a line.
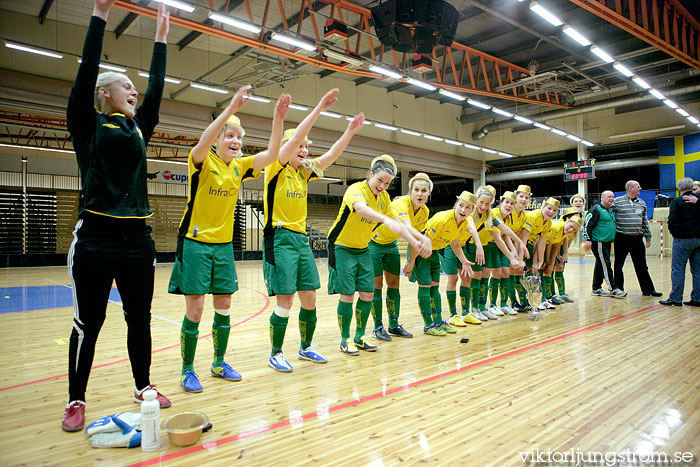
484,244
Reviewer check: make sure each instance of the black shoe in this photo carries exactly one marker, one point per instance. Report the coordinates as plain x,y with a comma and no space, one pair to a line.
653,293
670,302
399,331
692,303
381,334
363,344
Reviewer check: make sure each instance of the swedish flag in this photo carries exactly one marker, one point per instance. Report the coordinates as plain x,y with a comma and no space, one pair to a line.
678,157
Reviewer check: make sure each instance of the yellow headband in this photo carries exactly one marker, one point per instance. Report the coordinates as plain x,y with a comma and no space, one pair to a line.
467,197
236,123
289,134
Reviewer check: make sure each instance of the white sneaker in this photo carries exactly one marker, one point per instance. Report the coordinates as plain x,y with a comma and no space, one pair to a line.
549,305
480,316
508,310
600,293
542,306
495,310
566,298
617,293
489,315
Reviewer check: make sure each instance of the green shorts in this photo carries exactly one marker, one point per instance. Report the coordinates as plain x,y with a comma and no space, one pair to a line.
505,262
471,256
491,259
202,268
350,270
385,257
449,262
426,270
288,263
530,249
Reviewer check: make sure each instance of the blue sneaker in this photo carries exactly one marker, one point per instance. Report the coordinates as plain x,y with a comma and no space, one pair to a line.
311,356
279,363
225,371
190,382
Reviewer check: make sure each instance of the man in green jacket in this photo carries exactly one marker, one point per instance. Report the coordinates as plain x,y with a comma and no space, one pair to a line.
599,234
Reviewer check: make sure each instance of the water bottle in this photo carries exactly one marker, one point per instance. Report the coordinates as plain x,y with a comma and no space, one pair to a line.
150,421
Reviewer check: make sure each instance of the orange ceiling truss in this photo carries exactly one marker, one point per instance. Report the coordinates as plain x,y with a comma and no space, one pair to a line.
484,72
665,24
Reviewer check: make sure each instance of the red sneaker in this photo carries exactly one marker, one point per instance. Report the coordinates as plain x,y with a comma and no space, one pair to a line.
74,416
164,401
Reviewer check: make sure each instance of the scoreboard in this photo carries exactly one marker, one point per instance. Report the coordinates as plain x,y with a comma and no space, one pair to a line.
579,170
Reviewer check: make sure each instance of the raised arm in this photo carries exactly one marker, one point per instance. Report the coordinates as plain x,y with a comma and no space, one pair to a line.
267,157
200,151
290,147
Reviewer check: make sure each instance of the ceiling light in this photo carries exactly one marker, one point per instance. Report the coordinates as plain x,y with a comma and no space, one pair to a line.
175,4
546,14
523,119
204,87
453,142
32,49
330,179
575,138
644,132
385,71
501,112
504,154
558,132
410,132
575,35
471,146
109,67
481,105
331,114
657,94
264,100
167,162
36,148
143,74
490,151
298,107
452,95
235,22
670,103
623,69
682,112
602,54
641,83
343,58
385,127
542,126
693,120
434,138
587,143
421,84
350,119
293,41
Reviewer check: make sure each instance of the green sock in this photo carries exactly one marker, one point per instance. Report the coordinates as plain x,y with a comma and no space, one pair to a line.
393,306
189,332
494,284
559,279
522,294
362,311
436,302
452,301
344,319
424,305
475,287
505,282
511,289
464,296
220,329
548,286
377,308
483,287
307,326
278,327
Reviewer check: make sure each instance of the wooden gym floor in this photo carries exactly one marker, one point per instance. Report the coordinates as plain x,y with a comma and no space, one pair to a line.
599,375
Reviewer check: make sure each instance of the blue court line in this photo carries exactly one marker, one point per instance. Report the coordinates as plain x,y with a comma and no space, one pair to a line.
15,299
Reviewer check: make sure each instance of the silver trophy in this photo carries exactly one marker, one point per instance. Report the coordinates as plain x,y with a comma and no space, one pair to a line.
533,285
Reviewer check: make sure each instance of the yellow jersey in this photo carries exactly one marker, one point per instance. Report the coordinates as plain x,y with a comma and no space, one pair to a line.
404,209
350,229
285,197
557,234
212,195
442,229
536,225
518,220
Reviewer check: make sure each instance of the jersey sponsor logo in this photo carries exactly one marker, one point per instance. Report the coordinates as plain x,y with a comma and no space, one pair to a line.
223,193
366,221
296,195
177,177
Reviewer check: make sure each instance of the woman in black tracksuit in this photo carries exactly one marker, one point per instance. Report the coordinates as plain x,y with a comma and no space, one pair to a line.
112,241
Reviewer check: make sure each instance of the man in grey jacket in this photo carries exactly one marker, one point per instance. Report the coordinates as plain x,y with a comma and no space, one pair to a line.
631,227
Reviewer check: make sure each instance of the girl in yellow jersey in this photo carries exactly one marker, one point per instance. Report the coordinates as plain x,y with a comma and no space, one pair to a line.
444,229
364,205
386,258
556,254
204,263
523,194
288,262
578,205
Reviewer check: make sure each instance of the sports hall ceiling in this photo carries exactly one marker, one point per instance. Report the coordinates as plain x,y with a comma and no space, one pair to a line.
553,75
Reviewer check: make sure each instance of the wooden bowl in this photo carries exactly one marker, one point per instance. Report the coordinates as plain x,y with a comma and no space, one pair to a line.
185,428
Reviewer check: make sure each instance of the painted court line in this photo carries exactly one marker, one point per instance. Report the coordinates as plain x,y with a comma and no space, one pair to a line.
362,400
267,304
669,322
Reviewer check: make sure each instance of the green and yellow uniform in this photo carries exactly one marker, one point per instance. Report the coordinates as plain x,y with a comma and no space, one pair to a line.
538,228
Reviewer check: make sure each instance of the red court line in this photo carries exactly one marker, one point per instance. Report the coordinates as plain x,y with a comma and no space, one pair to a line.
362,400
669,322
267,304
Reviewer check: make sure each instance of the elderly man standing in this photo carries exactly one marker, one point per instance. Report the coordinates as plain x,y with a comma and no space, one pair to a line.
631,225
684,225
